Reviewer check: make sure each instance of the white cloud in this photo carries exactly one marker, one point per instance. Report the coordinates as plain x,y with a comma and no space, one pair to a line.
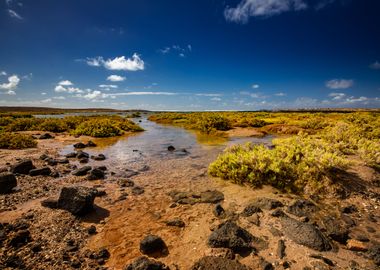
94,95
115,78
324,3
118,63
355,100
178,49
339,84
216,99
261,8
108,86
43,93
375,65
14,14
181,55
121,63
48,100
3,73
208,95
281,94
337,96
65,83
95,62
59,97
255,86
11,85
144,94
65,87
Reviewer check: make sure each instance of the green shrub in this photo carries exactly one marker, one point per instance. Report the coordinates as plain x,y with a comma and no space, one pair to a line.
9,140
53,125
293,164
98,128
24,124
212,123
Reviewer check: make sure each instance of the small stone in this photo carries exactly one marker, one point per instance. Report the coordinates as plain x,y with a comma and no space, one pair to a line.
137,190
281,249
22,167
79,145
40,171
82,171
152,244
91,144
356,245
177,222
91,230
171,148
218,211
8,181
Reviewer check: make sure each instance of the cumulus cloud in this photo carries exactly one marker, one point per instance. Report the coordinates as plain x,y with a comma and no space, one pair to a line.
115,78
261,8
65,83
94,95
144,94
66,87
14,14
134,63
11,85
255,86
337,96
3,73
339,84
375,65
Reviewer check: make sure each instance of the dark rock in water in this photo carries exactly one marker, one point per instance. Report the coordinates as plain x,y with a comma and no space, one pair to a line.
77,200
51,161
230,235
83,160
137,190
267,203
79,145
153,244
336,229
281,249
50,203
374,254
23,167
305,234
62,161
20,238
96,174
71,155
99,157
171,148
46,136
81,154
44,157
219,211
177,222
91,144
40,171
8,181
82,171
130,173
250,209
103,168
218,263
209,196
302,208
144,263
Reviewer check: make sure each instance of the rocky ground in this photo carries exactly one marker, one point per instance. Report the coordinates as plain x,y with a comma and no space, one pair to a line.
85,213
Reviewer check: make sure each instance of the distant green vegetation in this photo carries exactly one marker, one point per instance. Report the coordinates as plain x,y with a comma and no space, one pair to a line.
9,140
96,126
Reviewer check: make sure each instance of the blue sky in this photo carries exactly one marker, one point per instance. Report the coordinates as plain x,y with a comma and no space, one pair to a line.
190,54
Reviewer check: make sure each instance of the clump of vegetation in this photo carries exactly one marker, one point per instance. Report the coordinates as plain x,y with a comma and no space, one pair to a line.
10,140
53,125
293,163
113,125
213,123
105,127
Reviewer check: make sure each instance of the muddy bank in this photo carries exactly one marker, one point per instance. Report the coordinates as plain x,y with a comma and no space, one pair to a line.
148,190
